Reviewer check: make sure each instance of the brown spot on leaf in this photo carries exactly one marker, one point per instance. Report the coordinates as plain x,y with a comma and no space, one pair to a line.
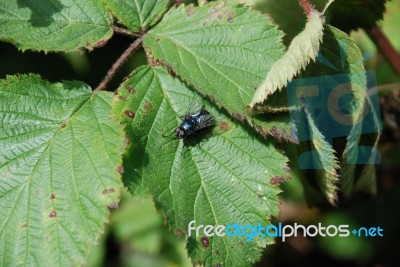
63,125
240,117
52,196
130,113
100,44
260,130
274,132
230,17
224,126
120,169
113,205
190,11
286,169
148,106
277,180
24,225
53,214
130,89
204,242
108,191
171,72
179,234
178,2
121,97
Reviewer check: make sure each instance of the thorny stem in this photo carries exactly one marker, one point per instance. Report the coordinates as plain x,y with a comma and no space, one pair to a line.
118,64
384,45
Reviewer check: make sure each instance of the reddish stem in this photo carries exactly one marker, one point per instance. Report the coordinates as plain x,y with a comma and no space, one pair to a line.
306,6
118,64
385,47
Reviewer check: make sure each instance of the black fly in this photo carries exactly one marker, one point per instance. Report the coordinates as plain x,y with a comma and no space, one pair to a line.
194,123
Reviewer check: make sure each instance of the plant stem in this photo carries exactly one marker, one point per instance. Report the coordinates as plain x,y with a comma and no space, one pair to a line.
306,6
124,31
385,47
118,64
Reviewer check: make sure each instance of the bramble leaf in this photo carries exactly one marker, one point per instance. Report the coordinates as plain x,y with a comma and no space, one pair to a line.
54,25
137,14
336,87
303,49
224,51
324,161
59,155
225,176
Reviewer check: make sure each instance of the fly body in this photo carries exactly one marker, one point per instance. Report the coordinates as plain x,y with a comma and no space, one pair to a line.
194,123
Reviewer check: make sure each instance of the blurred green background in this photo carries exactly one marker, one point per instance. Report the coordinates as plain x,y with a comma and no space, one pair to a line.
137,235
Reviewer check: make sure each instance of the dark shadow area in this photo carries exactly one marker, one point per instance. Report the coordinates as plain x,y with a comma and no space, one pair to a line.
56,67
42,11
382,211
113,251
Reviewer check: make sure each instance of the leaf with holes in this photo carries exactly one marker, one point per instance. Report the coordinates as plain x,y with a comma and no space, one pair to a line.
54,25
224,51
221,176
60,151
137,14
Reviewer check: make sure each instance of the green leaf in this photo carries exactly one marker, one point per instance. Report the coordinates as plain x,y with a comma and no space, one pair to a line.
360,177
223,177
59,155
303,49
223,51
137,14
340,56
54,25
278,10
323,156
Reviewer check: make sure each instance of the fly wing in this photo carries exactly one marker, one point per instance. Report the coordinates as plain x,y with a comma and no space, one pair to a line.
205,120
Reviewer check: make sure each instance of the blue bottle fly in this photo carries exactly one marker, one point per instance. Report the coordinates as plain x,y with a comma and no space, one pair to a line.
194,123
